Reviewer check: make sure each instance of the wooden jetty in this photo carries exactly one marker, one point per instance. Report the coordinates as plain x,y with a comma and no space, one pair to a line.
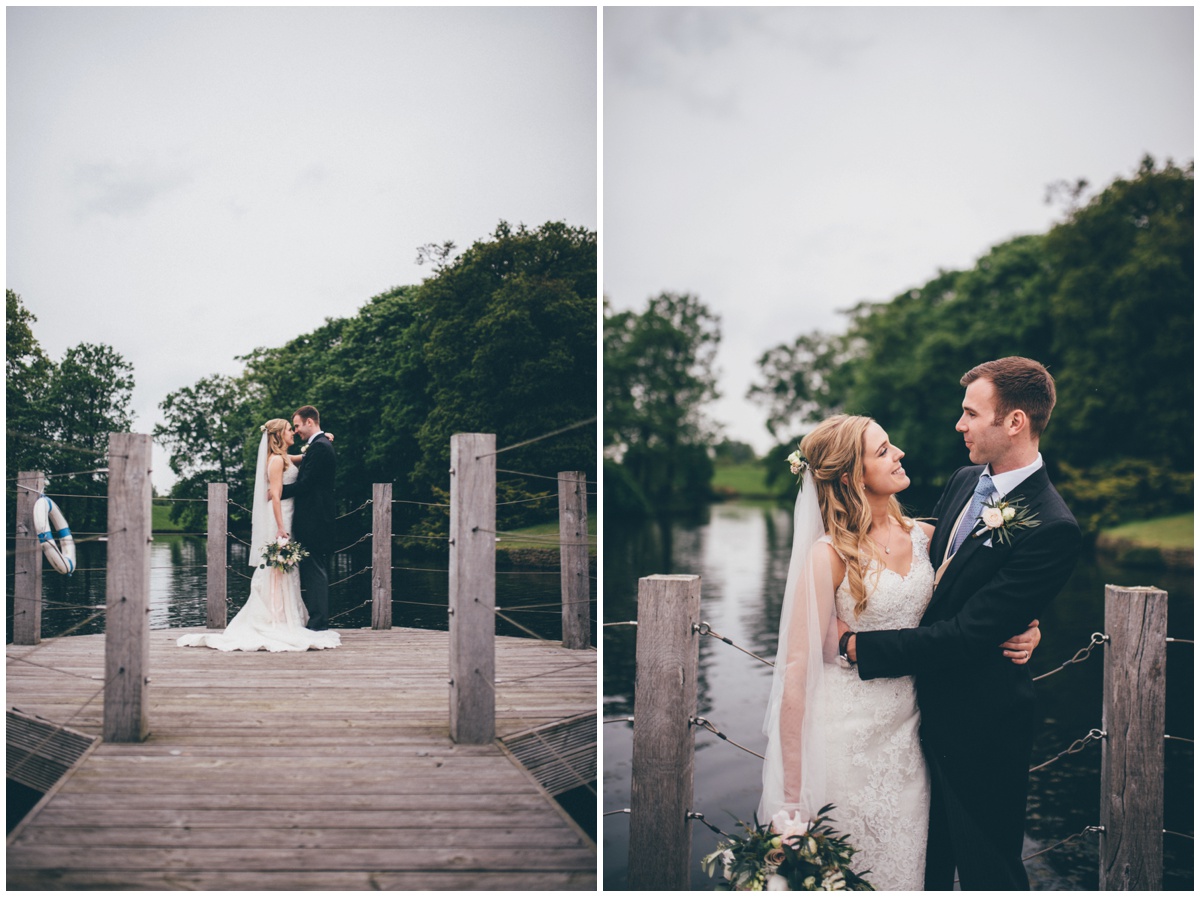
325,770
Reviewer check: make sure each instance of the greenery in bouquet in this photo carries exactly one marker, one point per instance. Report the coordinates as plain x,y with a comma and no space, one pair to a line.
786,854
283,554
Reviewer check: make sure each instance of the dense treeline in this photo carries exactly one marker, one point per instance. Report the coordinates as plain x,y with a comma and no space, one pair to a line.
58,415
500,339
1104,300
658,375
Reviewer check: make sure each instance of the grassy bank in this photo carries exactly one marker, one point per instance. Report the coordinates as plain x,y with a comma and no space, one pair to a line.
1162,542
746,480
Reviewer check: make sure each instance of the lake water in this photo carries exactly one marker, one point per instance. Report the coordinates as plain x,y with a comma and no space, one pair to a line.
178,580
741,552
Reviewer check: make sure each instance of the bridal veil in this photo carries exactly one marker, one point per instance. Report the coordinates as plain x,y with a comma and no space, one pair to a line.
794,772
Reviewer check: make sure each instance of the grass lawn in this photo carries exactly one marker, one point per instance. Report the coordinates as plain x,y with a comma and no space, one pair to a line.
542,535
1162,532
160,520
744,479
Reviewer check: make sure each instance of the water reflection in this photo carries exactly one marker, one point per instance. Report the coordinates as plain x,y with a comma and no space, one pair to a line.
741,552
179,577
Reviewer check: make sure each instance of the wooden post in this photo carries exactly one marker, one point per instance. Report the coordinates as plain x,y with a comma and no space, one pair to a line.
573,559
1131,757
218,555
27,563
472,587
381,556
127,628
664,703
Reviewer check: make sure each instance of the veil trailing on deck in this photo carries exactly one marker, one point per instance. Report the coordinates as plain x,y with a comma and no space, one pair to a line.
794,772
262,520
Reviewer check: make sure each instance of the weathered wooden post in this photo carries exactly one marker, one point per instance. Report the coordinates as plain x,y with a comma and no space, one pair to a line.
381,556
1131,757
27,562
664,701
217,589
573,559
472,587
127,626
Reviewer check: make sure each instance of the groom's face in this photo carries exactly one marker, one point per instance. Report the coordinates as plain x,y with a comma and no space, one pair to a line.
986,440
300,428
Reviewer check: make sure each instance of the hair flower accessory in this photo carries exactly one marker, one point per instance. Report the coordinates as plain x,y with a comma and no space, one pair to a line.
1000,518
262,428
798,464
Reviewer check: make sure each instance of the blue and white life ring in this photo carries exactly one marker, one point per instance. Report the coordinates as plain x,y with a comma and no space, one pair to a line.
54,535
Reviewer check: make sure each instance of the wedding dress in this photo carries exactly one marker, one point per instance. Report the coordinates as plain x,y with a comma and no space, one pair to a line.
833,738
876,773
274,616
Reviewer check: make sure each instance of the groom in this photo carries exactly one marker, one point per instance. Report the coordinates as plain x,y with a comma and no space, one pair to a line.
313,512
977,708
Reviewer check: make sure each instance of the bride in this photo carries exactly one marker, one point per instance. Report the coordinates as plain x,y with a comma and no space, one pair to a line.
274,616
832,737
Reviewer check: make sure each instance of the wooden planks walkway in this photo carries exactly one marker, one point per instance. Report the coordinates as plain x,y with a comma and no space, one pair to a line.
327,770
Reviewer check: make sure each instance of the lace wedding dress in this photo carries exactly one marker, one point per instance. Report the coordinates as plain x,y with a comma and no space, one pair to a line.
274,616
876,773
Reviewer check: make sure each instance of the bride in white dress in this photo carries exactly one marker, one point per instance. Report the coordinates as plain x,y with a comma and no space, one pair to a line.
274,616
832,737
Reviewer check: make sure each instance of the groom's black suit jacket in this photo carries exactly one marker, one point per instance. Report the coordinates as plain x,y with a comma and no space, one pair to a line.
314,510
977,707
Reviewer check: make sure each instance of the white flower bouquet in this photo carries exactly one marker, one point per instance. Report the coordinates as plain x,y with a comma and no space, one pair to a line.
786,854
283,554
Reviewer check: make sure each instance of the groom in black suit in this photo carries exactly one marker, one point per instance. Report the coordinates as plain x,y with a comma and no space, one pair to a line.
313,512
977,708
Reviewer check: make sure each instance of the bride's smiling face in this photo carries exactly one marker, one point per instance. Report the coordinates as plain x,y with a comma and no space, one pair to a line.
882,472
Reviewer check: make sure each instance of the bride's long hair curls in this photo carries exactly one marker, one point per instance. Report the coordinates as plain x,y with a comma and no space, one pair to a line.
278,432
835,450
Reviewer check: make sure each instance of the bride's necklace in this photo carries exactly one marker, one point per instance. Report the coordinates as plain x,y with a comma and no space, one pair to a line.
887,548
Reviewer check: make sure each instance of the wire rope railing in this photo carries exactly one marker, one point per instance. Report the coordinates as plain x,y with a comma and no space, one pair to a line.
698,723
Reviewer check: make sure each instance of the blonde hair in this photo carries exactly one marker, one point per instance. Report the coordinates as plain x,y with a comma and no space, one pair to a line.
277,443
835,450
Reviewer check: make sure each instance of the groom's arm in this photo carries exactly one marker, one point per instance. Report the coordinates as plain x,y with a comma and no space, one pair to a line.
317,460
995,612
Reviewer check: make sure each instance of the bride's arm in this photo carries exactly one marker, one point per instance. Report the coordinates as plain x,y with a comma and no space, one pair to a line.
274,488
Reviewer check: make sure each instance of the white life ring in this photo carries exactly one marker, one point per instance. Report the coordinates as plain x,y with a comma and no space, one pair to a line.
55,535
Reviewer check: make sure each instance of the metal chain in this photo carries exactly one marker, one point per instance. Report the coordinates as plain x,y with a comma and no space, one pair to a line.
705,724
1098,638
1076,746
705,629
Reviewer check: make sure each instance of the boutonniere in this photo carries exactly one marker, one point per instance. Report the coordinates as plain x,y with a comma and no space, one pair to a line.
1001,518
304,448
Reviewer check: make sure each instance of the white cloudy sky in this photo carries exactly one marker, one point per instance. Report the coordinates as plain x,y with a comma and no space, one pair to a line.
786,163
186,185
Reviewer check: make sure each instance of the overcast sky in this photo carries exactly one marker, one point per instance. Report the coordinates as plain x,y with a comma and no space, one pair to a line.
186,185
782,164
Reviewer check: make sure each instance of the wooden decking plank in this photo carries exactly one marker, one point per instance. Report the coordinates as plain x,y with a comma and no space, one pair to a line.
323,770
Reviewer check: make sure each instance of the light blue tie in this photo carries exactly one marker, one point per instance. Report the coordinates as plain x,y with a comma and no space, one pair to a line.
983,491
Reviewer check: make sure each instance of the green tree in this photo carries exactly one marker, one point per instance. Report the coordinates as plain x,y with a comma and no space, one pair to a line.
210,434
1123,320
27,377
659,376
1104,300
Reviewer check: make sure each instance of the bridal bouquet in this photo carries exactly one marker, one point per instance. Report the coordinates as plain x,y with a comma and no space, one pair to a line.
283,554
786,854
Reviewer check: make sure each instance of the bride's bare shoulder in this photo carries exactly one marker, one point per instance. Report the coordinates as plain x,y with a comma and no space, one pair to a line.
275,462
